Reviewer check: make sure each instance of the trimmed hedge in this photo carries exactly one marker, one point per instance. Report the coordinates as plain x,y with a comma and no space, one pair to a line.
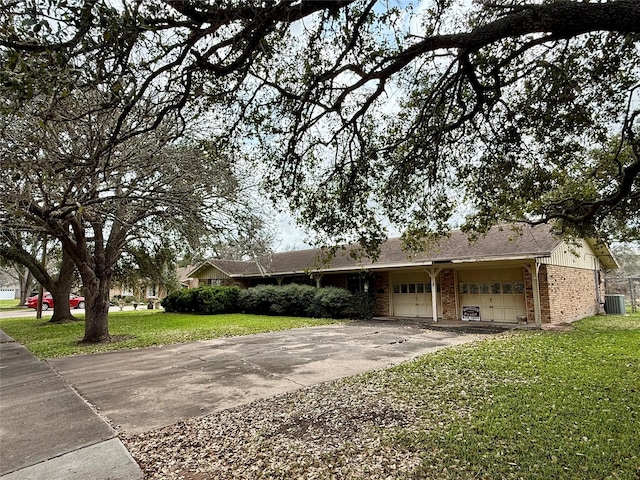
306,301
288,300
207,300
331,302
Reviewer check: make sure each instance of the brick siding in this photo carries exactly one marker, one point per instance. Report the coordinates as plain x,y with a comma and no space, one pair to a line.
448,291
381,291
567,294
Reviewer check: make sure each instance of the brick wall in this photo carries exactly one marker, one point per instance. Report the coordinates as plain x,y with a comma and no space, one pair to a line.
545,294
381,291
448,290
567,294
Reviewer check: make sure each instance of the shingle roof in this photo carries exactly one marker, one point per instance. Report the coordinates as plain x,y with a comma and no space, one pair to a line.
235,267
500,242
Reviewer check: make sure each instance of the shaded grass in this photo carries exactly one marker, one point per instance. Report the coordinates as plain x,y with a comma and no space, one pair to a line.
527,405
143,328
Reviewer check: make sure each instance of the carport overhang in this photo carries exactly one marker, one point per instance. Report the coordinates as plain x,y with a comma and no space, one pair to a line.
456,263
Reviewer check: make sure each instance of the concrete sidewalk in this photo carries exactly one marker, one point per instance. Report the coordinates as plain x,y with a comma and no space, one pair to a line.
47,431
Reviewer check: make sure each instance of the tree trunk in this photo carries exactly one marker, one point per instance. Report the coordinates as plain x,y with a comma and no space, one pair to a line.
25,278
96,295
61,310
60,291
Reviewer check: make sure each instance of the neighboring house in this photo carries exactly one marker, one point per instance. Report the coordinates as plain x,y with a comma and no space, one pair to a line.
503,277
141,293
183,276
9,286
152,292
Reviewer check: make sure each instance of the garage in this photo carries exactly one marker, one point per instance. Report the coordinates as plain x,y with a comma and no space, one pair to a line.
498,295
411,295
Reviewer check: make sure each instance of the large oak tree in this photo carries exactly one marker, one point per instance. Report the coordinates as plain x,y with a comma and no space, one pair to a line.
71,173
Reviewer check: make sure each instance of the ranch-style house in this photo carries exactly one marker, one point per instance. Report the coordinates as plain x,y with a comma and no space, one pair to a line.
508,276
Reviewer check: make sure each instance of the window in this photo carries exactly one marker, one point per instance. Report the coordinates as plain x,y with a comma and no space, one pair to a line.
412,288
354,283
464,288
518,287
359,283
300,280
212,282
427,287
484,288
495,287
507,288
473,288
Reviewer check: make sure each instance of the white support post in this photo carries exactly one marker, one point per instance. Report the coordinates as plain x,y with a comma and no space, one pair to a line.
534,270
433,274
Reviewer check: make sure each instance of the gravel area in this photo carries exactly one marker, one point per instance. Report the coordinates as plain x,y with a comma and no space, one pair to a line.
338,430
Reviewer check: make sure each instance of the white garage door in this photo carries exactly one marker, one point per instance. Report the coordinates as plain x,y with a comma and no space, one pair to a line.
412,295
499,293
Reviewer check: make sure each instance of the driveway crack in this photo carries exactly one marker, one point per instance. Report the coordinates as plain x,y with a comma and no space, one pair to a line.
271,374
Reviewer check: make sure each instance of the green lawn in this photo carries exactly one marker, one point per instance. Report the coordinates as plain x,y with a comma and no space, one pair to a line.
526,405
143,328
9,305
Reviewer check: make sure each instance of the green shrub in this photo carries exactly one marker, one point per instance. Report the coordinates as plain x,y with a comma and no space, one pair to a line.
330,302
176,301
218,299
306,301
207,300
362,305
186,301
257,299
290,300
169,302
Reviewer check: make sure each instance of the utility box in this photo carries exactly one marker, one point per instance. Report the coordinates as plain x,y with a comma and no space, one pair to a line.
614,304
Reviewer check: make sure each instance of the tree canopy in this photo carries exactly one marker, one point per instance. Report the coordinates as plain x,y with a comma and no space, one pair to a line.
71,172
365,113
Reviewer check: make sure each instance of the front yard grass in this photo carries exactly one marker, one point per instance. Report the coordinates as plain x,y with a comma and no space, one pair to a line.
6,305
143,328
526,405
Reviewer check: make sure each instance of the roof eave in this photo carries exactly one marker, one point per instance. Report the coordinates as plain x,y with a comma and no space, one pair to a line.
395,266
211,264
603,253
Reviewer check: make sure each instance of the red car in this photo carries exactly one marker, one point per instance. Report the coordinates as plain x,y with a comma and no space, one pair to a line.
47,301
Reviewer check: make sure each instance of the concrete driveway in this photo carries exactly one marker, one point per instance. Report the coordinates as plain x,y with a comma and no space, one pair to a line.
143,389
